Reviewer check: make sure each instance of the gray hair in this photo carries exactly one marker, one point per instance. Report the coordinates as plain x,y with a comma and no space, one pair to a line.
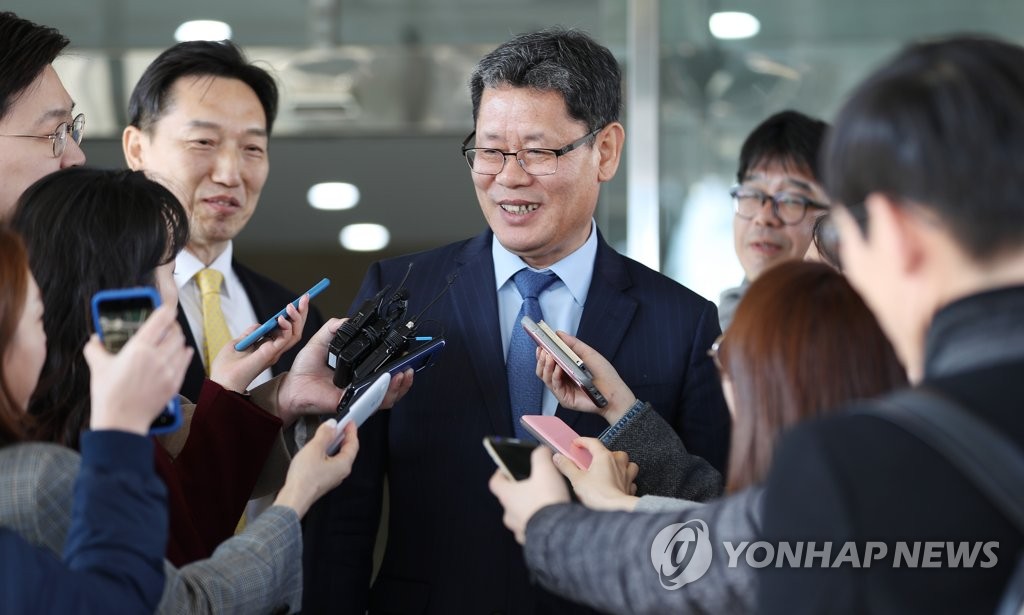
561,60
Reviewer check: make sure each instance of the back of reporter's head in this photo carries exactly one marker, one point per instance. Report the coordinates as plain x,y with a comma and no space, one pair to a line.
13,299
87,230
940,126
802,343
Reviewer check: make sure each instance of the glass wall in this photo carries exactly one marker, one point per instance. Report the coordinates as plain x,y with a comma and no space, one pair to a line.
374,93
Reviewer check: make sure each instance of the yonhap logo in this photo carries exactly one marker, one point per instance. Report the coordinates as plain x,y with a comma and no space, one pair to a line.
681,553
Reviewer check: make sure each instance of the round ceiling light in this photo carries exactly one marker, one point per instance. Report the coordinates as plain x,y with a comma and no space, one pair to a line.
364,237
333,196
202,30
731,25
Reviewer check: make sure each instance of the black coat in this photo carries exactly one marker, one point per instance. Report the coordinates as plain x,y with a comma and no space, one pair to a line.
861,478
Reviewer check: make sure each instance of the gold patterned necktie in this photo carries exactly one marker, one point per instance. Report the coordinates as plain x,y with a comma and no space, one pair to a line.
215,327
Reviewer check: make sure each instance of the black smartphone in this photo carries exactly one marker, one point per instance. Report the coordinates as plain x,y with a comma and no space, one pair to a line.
116,315
511,455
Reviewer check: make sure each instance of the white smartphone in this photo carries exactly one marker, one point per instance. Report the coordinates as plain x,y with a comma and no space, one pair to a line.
360,409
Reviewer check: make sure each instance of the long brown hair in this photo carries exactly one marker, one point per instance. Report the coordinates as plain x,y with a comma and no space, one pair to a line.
13,297
801,344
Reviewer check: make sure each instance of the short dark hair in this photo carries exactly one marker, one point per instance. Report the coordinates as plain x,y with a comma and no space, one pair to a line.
940,125
26,48
789,138
151,96
562,60
87,230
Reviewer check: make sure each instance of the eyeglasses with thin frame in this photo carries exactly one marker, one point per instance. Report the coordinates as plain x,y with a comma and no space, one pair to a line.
76,128
713,352
788,207
534,160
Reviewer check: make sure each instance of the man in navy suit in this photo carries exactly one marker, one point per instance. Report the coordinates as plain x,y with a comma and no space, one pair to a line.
200,119
546,108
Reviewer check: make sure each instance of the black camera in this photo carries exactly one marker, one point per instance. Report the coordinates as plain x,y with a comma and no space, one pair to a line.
380,330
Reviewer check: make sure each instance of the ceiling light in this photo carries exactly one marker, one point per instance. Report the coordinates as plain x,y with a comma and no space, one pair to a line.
733,25
202,30
364,237
333,196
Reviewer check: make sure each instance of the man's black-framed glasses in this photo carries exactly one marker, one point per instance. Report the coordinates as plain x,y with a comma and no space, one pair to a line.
533,160
76,128
787,207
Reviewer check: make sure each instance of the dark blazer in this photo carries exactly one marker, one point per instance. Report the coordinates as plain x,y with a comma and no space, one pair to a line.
267,297
861,478
447,550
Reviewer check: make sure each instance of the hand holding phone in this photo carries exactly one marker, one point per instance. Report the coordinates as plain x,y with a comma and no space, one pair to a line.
566,359
512,456
117,316
553,432
360,409
417,359
271,323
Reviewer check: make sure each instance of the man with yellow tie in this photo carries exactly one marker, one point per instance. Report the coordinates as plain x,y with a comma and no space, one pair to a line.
200,119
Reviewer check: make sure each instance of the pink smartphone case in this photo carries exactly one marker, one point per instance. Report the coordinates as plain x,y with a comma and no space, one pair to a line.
553,431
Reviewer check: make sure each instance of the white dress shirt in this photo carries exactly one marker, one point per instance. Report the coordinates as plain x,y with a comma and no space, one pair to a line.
238,310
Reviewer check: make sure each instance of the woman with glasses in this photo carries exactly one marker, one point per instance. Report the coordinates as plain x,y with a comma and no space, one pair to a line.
802,344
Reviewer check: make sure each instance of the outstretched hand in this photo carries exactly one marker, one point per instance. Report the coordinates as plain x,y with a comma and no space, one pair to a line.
236,369
130,389
608,484
606,379
312,473
308,387
522,499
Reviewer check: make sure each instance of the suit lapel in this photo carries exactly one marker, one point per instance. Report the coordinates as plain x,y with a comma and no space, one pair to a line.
609,311
475,306
195,375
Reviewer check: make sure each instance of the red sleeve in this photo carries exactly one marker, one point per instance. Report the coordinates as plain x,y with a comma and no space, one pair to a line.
213,477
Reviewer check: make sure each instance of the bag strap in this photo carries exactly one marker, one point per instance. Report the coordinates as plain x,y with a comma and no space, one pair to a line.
991,461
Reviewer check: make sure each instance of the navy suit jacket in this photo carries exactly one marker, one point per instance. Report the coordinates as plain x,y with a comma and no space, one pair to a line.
447,550
267,298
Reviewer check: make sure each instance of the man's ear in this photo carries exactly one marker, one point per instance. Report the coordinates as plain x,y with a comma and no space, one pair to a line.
131,143
609,146
897,230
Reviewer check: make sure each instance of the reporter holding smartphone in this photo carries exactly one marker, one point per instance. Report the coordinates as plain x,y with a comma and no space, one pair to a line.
113,554
117,229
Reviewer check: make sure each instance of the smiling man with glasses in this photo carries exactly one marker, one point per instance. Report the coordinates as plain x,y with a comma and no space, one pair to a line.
39,132
777,199
547,136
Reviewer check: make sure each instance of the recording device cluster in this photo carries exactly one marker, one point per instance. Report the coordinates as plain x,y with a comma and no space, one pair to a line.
380,332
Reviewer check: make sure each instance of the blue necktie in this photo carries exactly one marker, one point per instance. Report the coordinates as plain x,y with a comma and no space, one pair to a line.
525,389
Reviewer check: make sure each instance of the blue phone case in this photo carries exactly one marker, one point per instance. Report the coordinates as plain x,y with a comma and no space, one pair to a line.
271,323
170,419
